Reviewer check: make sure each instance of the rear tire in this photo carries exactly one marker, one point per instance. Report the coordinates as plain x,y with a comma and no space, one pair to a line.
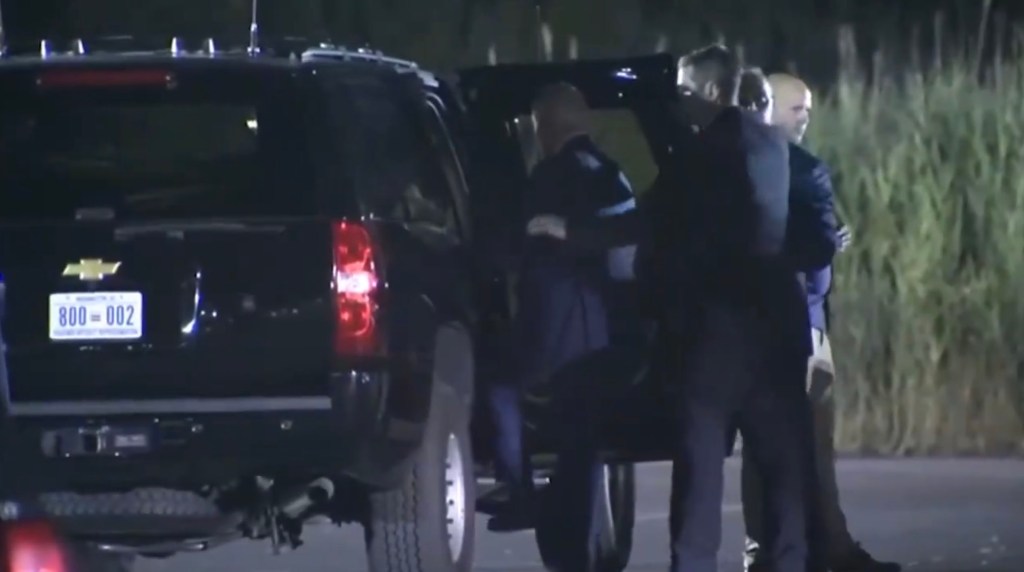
617,517
428,524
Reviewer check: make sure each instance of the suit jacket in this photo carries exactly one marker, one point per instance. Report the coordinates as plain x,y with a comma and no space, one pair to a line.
563,312
717,229
812,203
743,209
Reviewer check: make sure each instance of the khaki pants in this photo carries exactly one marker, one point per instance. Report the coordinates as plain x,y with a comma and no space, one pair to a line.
820,374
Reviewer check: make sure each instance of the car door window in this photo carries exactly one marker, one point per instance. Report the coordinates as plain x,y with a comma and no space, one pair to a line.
443,172
396,177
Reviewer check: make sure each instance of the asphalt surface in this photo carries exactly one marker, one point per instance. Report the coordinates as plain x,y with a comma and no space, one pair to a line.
932,515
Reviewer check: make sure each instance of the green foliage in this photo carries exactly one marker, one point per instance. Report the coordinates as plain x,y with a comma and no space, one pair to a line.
928,302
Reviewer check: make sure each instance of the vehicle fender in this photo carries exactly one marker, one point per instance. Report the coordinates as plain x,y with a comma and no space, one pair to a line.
454,360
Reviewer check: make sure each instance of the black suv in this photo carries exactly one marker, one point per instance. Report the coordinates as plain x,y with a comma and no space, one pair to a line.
245,288
236,294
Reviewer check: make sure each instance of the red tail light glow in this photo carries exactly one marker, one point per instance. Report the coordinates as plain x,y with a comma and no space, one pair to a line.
34,547
355,288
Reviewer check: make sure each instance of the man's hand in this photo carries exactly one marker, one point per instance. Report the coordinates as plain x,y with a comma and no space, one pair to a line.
547,225
845,236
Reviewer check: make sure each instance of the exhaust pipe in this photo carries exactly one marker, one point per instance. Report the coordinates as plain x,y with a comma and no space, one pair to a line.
296,502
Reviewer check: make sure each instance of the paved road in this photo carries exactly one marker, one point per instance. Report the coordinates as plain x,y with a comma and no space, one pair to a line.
933,515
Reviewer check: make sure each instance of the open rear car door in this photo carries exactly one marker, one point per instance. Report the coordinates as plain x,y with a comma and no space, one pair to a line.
497,105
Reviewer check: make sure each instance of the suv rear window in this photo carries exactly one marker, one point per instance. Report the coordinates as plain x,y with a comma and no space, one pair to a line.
166,154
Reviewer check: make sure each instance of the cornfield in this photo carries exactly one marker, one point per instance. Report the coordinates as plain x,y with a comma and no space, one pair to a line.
928,308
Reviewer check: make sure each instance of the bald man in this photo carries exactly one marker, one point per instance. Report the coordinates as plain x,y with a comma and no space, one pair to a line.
562,324
810,178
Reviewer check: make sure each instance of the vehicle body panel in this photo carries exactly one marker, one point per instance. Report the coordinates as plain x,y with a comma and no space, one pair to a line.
236,295
233,294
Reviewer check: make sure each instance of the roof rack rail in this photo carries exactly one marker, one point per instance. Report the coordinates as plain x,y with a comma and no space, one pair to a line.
256,46
74,48
125,45
283,46
365,54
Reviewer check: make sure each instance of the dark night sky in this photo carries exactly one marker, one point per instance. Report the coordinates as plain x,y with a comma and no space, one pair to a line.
777,31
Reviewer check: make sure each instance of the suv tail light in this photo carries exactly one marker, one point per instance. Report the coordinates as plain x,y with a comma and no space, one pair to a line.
33,547
355,289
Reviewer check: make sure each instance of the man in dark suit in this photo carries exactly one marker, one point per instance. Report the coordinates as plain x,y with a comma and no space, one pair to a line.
715,238
809,177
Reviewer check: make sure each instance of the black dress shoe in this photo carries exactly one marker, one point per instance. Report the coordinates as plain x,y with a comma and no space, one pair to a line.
859,560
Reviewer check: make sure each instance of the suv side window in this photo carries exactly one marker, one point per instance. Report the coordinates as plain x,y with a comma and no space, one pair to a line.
396,177
443,166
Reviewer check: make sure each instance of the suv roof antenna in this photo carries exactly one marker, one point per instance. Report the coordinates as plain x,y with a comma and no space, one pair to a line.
254,31
3,34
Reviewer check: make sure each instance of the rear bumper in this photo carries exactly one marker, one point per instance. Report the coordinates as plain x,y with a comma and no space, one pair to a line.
188,443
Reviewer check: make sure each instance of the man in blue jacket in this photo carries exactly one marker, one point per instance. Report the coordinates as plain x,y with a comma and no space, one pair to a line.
562,326
809,176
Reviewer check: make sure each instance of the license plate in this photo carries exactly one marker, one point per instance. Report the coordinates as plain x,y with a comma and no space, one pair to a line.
96,316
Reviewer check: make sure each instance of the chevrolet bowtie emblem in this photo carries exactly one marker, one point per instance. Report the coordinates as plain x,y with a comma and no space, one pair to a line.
91,269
